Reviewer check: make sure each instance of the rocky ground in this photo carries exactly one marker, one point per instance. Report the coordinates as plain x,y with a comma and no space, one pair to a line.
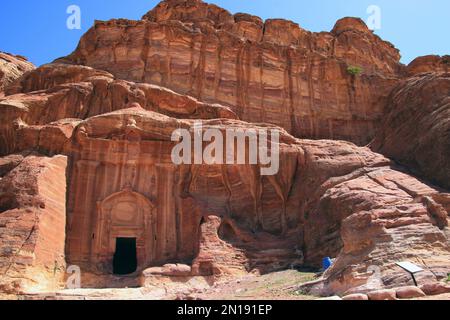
281,285
273,286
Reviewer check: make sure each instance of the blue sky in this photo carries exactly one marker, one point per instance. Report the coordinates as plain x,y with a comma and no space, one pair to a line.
37,28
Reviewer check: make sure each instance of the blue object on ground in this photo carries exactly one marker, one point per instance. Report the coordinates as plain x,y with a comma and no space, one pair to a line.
326,263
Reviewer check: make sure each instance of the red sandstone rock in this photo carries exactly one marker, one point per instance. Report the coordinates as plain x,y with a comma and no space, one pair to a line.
329,198
171,270
429,64
53,75
416,130
328,167
435,288
32,225
9,162
350,25
409,293
55,109
272,72
356,297
11,68
382,295
358,216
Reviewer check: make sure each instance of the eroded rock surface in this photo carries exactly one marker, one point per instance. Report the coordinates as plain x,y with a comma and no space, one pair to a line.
272,71
32,224
100,122
11,68
428,64
416,130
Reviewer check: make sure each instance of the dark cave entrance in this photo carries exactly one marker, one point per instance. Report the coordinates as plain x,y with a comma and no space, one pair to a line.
227,233
125,257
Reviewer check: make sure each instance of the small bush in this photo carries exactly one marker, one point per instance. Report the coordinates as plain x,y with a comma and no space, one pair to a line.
354,70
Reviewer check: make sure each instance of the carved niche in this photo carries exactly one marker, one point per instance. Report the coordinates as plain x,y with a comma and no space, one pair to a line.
124,214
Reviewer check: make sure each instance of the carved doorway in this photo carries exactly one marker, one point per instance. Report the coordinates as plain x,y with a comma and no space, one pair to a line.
125,231
125,256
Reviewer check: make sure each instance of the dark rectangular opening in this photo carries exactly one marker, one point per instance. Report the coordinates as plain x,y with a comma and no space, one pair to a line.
125,257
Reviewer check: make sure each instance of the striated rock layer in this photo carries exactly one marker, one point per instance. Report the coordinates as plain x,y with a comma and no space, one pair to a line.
329,198
416,130
52,99
272,71
11,68
428,64
32,223
99,124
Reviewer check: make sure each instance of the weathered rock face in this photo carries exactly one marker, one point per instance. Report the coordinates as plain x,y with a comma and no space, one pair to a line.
428,64
329,198
403,220
272,72
11,68
416,130
32,223
100,123
172,200
54,101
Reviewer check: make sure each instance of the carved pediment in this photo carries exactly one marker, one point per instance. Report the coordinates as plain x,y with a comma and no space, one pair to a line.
126,208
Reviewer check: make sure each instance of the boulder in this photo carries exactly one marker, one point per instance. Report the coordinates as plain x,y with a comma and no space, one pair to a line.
356,297
388,294
435,288
409,292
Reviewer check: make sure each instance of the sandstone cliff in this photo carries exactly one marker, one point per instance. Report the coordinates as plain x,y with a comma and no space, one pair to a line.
11,68
272,71
428,64
416,130
112,106
32,223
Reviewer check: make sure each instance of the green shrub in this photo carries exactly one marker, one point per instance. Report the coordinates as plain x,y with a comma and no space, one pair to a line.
354,70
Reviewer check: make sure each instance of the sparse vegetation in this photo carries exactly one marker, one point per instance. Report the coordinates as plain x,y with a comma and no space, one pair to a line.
276,285
354,70
300,293
448,277
446,60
